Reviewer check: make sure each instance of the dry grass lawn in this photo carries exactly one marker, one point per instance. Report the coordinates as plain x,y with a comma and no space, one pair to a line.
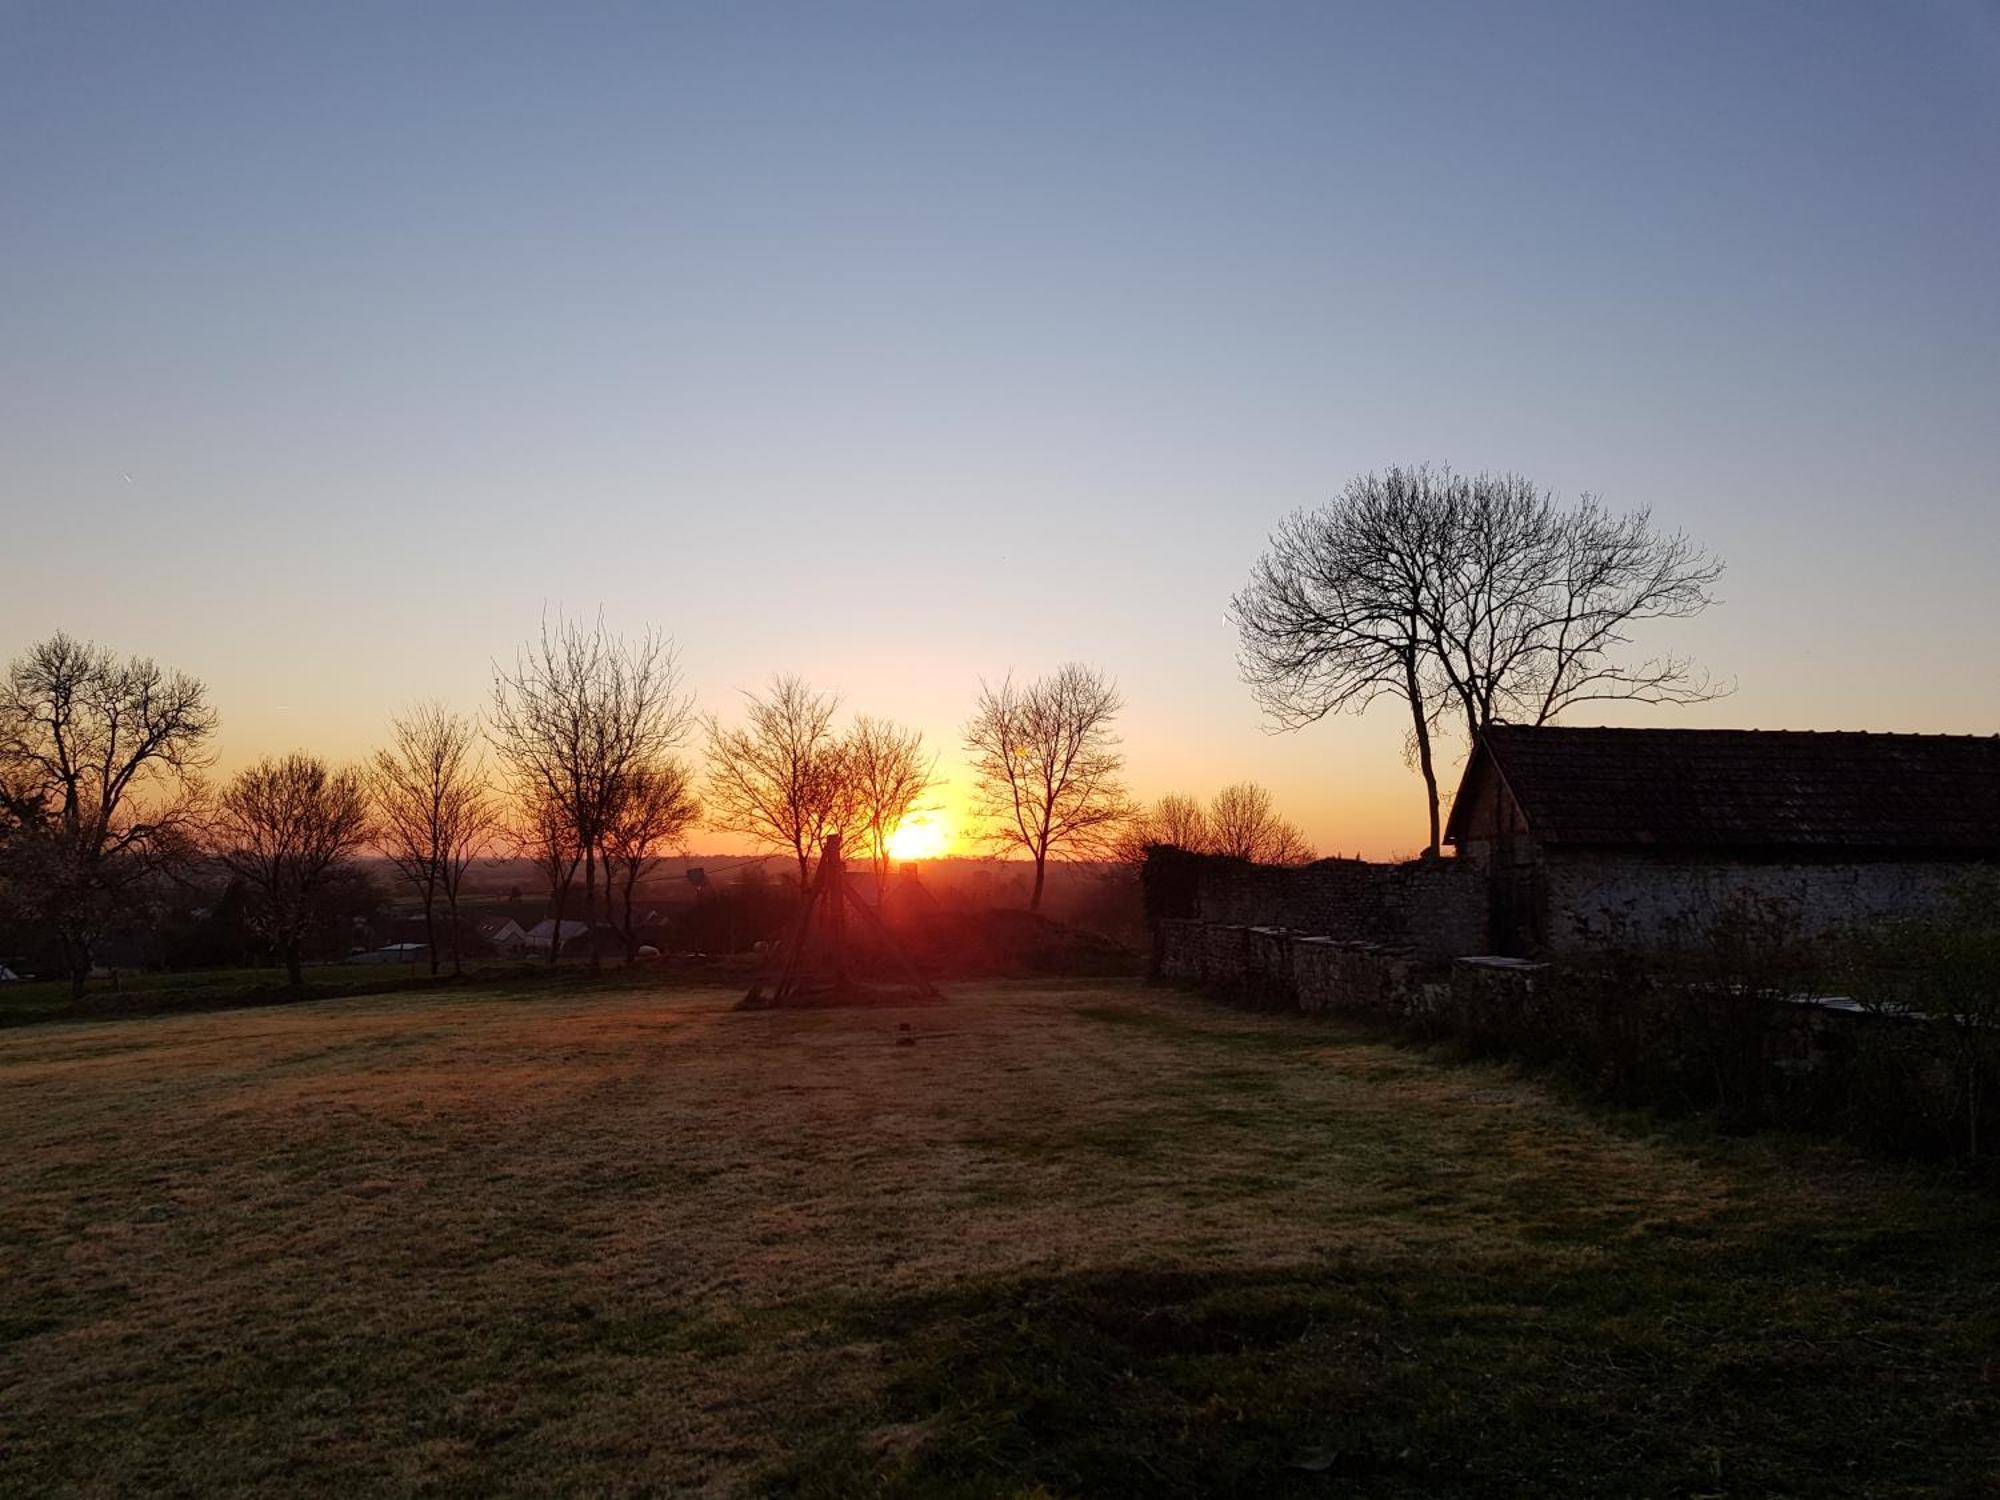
1094,1239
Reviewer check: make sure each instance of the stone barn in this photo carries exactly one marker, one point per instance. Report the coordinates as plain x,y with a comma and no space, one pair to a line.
1644,838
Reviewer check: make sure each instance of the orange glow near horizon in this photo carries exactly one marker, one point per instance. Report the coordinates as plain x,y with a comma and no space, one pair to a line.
923,837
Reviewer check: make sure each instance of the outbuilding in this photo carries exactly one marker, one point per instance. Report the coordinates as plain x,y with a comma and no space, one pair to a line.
1647,838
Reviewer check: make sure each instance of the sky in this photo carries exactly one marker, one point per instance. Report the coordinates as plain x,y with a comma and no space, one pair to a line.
899,346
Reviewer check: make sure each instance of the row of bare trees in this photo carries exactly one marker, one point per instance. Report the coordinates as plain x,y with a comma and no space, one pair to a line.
1239,822
789,778
103,785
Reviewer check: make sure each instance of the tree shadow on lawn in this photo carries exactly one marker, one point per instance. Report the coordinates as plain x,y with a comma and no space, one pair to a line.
1781,1366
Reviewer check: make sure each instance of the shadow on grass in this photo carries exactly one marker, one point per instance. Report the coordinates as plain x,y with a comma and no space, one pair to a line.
1778,1366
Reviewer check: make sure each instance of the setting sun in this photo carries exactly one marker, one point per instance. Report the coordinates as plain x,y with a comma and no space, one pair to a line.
918,838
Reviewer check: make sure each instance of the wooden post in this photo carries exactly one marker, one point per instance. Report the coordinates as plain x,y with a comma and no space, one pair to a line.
814,961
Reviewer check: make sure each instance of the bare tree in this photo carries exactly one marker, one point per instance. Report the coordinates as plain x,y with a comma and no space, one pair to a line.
1175,821
579,713
432,812
1244,825
657,808
1480,594
1047,766
288,828
1181,821
1534,603
100,782
1337,612
891,775
783,778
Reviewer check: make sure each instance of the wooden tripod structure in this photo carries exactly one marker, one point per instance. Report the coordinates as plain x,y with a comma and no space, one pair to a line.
811,966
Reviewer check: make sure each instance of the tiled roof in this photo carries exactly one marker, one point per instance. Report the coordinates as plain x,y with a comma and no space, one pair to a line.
1751,788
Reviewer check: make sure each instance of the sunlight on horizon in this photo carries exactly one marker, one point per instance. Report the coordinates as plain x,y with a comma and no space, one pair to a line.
926,836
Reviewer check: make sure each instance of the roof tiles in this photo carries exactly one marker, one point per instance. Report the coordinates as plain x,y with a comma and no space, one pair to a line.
1750,789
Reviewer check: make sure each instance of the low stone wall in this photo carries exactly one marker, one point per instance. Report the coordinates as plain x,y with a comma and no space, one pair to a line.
1268,975
1279,968
1177,949
1896,1078
1225,956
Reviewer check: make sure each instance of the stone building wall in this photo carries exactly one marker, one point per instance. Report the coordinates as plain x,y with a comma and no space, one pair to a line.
1593,900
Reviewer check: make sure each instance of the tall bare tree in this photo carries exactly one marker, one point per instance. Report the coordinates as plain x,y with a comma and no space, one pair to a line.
1244,825
1480,595
432,811
657,809
100,782
891,776
289,827
581,710
783,777
1337,612
1047,766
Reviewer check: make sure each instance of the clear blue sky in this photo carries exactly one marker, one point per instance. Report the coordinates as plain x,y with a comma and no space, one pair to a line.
900,344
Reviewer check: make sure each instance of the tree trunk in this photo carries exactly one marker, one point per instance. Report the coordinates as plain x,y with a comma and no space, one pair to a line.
1421,722
76,961
631,937
294,970
430,931
561,894
451,915
1041,869
590,902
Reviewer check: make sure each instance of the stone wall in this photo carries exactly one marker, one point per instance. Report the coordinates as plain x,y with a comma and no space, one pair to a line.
1278,968
1329,895
1436,908
1593,900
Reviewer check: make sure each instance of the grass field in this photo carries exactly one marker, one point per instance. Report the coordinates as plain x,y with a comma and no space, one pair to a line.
36,1002
1075,1240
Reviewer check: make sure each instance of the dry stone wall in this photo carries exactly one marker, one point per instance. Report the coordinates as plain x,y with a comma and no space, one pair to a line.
1435,908
1278,968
